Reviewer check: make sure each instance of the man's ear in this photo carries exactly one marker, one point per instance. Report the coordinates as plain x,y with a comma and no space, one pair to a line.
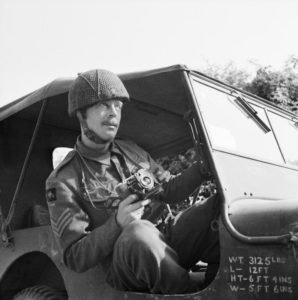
79,115
81,120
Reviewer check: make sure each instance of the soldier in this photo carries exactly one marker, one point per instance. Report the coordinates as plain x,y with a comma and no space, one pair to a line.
92,222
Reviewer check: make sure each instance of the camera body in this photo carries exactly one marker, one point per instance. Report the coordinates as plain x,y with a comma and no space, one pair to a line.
141,183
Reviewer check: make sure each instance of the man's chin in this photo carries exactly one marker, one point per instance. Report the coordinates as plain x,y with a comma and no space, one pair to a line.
108,138
99,139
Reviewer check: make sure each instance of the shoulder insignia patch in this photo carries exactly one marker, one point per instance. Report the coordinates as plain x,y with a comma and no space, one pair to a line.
51,195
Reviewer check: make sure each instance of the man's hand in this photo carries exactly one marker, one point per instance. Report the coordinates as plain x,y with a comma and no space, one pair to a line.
164,176
129,210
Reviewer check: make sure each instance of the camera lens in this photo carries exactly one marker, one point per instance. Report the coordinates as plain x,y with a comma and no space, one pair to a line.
147,180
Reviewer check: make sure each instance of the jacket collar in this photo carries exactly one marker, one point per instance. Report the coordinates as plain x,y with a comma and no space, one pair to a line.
97,155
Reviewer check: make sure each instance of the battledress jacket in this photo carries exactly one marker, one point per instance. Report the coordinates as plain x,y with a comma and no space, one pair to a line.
83,202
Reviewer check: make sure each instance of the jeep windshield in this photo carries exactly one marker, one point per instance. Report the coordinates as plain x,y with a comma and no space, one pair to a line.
231,130
233,125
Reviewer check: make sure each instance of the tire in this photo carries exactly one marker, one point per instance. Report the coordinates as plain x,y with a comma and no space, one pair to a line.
39,292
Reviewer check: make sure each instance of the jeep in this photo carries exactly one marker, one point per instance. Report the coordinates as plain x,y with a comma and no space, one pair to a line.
248,145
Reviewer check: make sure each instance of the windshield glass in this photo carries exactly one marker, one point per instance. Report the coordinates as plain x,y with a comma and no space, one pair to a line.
287,134
232,130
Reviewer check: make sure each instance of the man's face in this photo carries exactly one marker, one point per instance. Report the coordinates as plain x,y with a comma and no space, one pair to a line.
104,118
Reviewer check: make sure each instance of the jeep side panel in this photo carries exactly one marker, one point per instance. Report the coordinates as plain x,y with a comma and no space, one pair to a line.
260,197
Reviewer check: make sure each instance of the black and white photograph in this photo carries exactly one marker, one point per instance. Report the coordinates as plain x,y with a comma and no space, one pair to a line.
148,150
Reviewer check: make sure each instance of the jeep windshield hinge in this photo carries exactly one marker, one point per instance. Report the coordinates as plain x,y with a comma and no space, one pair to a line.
6,237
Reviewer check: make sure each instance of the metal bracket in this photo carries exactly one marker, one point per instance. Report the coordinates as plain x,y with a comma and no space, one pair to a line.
294,237
294,233
294,241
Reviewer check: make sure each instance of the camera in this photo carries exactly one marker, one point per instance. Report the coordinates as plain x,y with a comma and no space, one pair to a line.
141,183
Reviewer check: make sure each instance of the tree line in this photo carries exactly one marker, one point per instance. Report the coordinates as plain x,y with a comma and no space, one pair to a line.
277,86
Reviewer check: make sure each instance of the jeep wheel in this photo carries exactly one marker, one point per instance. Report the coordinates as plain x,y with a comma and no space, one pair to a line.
39,292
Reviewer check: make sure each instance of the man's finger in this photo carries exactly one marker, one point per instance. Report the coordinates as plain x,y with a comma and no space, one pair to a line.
130,199
163,176
138,213
139,204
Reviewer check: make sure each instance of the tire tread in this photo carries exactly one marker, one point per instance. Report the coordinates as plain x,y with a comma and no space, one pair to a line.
39,292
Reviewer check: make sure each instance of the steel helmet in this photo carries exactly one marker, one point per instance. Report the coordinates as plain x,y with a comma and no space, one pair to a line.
93,86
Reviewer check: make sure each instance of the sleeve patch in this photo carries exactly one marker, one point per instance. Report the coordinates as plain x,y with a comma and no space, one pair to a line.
51,195
62,222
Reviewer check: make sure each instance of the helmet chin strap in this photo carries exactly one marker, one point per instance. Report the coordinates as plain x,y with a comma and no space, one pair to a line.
90,134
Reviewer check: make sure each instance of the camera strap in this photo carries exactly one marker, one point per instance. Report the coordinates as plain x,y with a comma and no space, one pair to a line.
120,165
127,156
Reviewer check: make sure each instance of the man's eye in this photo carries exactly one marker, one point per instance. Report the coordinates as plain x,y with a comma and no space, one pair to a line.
102,104
118,106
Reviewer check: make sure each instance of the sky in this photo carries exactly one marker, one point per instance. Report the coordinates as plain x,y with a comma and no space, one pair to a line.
41,40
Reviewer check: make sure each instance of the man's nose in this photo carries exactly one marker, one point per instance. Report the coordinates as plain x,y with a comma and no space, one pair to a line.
113,110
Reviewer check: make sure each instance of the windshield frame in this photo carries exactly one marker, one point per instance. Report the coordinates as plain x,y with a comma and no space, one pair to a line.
294,119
